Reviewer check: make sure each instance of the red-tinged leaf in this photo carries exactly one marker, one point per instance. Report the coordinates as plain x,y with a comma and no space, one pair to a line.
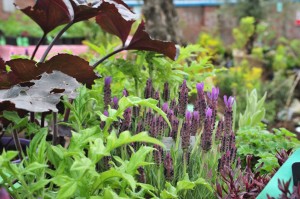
73,66
83,12
24,70
142,41
110,20
49,14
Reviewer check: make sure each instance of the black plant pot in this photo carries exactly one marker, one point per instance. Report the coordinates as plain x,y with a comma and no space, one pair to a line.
11,41
8,143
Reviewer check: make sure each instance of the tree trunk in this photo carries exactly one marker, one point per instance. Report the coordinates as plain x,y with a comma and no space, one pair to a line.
161,20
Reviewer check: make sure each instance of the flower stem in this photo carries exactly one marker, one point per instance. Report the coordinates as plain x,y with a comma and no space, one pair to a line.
17,143
108,56
38,45
55,130
61,32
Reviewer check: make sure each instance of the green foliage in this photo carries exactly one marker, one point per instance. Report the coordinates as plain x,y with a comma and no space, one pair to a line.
243,32
264,145
255,111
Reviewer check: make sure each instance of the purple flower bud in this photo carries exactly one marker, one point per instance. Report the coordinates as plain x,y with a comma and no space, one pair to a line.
169,169
107,92
157,97
213,96
148,119
115,103
188,116
228,102
157,155
4,194
125,92
183,98
166,92
106,113
208,113
165,107
200,88
136,111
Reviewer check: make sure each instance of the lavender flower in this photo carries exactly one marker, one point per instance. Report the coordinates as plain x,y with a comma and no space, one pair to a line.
126,122
174,124
183,98
157,155
213,103
169,169
154,127
220,130
125,93
148,119
102,123
200,104
206,137
157,97
165,107
142,175
228,113
186,132
161,125
107,92
139,127
115,104
166,92
195,123
136,111
149,90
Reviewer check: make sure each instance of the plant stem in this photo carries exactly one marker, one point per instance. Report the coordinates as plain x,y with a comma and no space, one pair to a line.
38,45
43,119
55,130
67,113
17,143
136,84
108,56
61,32
32,117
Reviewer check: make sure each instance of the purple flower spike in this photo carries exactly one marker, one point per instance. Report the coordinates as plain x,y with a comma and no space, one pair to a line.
200,88
107,92
166,92
183,98
228,102
213,96
188,116
165,107
169,169
115,103
195,123
107,80
208,113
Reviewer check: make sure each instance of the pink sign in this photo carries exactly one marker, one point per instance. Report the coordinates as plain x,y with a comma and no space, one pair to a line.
7,50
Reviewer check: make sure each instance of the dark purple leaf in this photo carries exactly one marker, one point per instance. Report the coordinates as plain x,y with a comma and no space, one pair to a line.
111,20
142,41
23,70
71,65
49,14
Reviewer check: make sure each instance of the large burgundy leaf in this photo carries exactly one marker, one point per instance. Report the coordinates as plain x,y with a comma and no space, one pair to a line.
71,65
116,20
24,70
49,14
84,11
142,41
